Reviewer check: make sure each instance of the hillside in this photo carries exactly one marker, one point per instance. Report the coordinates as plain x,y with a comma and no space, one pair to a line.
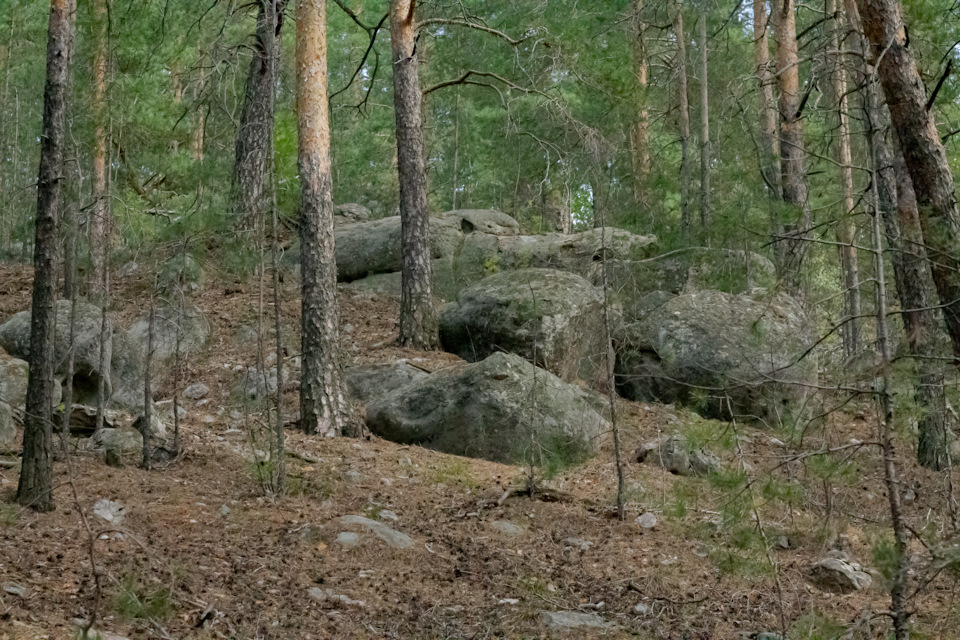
202,553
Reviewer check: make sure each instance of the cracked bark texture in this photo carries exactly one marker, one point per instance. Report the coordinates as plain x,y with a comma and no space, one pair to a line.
418,317
324,407
251,169
35,488
925,156
793,173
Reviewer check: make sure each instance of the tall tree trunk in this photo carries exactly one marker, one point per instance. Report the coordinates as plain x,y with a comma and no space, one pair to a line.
324,408
705,148
793,174
920,324
198,135
684,120
769,142
252,161
36,474
418,318
845,229
898,205
925,156
99,227
641,130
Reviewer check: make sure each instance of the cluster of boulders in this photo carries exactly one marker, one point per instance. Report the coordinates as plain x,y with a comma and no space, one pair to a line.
116,368
697,326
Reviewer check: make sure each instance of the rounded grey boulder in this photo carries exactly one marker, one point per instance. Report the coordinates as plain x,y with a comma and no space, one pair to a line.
499,409
552,318
15,340
719,353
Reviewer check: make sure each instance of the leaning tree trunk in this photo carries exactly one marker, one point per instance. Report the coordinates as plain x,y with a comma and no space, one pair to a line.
418,318
684,120
36,473
251,169
898,205
641,130
705,148
925,156
324,408
845,229
99,227
792,151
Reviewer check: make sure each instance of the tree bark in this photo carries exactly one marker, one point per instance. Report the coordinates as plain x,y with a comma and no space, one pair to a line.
99,227
845,229
251,167
920,324
36,474
925,156
324,408
898,205
641,131
793,173
418,318
769,142
705,147
684,119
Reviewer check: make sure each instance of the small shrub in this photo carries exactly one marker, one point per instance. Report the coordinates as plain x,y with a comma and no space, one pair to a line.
135,600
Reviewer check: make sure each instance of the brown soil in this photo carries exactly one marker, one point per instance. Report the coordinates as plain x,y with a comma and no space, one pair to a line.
244,571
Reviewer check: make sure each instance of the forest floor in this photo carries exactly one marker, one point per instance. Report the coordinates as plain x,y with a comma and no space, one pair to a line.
203,553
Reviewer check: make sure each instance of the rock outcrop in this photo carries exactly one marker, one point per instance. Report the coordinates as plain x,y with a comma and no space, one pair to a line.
554,319
718,353
87,372
497,409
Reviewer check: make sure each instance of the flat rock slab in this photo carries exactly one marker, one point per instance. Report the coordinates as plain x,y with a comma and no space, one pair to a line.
570,620
393,538
508,528
838,575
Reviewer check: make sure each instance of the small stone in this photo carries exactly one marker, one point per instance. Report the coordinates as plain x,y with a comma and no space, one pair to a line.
196,391
577,543
837,575
353,476
327,595
508,528
509,601
224,510
391,537
386,514
646,520
348,539
15,589
641,609
110,511
567,620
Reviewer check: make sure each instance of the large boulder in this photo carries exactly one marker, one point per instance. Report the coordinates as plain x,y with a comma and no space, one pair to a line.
688,270
191,325
13,381
128,367
367,381
484,221
483,254
8,429
368,248
497,409
87,372
719,353
554,319
350,213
